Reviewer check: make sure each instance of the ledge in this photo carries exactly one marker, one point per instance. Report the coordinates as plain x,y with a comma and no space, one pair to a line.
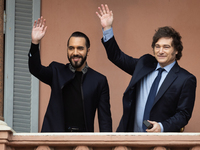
107,139
100,141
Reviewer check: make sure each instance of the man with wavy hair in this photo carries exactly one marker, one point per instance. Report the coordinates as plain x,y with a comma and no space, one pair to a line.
160,92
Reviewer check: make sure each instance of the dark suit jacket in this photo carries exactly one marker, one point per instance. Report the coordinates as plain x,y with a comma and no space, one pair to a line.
95,94
174,102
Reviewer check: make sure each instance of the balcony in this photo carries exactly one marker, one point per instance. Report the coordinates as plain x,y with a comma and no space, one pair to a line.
9,140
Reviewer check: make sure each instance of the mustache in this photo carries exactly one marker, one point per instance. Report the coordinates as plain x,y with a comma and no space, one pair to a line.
77,56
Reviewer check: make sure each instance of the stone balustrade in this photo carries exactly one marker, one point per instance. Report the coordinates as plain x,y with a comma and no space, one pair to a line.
9,140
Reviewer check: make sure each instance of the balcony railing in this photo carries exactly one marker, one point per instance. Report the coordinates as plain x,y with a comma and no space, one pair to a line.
9,140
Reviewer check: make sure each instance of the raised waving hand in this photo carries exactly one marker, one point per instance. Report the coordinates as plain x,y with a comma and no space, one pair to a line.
38,30
105,16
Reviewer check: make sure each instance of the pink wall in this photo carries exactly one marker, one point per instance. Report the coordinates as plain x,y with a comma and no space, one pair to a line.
135,22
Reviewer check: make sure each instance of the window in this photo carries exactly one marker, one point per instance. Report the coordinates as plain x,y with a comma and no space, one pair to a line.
21,89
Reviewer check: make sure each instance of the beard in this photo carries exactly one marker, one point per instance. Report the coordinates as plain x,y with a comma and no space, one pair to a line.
77,64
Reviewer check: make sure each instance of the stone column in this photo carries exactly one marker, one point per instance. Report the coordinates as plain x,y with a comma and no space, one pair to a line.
5,134
195,148
1,57
121,148
44,148
159,148
82,148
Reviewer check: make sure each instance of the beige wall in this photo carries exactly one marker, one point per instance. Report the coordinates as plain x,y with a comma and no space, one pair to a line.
135,22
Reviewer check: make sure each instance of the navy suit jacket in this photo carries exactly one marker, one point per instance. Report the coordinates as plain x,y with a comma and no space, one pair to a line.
174,101
95,94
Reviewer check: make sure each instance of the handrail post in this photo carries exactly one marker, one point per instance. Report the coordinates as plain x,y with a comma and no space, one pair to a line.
5,134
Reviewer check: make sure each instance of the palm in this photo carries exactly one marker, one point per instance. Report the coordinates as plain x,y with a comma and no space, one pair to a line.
106,20
37,33
39,30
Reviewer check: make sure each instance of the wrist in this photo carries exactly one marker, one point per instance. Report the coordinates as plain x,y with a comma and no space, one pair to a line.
106,28
35,42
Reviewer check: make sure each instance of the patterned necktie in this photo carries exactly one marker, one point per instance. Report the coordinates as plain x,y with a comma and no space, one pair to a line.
151,97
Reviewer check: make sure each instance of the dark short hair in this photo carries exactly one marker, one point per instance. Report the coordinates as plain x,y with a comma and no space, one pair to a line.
80,34
171,33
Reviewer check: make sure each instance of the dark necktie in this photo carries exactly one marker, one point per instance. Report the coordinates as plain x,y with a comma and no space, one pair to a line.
151,97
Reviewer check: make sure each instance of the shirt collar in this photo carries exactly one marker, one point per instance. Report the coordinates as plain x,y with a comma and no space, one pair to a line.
84,70
168,67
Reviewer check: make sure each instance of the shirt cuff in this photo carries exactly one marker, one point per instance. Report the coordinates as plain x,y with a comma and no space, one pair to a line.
34,48
161,126
107,34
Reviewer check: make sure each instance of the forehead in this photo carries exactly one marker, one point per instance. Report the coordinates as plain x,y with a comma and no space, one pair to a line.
77,41
164,41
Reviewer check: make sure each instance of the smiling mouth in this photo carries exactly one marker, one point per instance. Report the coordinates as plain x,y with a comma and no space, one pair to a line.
76,58
161,56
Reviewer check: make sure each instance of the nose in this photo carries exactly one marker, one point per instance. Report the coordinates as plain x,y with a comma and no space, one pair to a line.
161,50
75,51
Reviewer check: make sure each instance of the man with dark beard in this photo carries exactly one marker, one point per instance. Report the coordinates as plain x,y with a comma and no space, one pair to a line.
77,91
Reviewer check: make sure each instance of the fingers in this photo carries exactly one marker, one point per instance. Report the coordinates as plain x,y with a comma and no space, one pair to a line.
39,23
107,9
43,23
111,13
45,29
152,122
103,10
100,10
98,15
34,24
156,127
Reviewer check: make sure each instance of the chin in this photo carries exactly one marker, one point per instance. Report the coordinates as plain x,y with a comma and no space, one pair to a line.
161,62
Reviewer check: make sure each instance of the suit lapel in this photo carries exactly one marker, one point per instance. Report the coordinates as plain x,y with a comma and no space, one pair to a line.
65,76
172,75
140,73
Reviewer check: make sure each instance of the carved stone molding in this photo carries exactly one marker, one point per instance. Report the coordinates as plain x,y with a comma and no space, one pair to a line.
5,127
82,148
44,148
195,148
159,148
121,148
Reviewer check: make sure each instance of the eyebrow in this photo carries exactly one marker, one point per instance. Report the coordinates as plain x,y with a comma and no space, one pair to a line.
163,45
80,47
74,46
